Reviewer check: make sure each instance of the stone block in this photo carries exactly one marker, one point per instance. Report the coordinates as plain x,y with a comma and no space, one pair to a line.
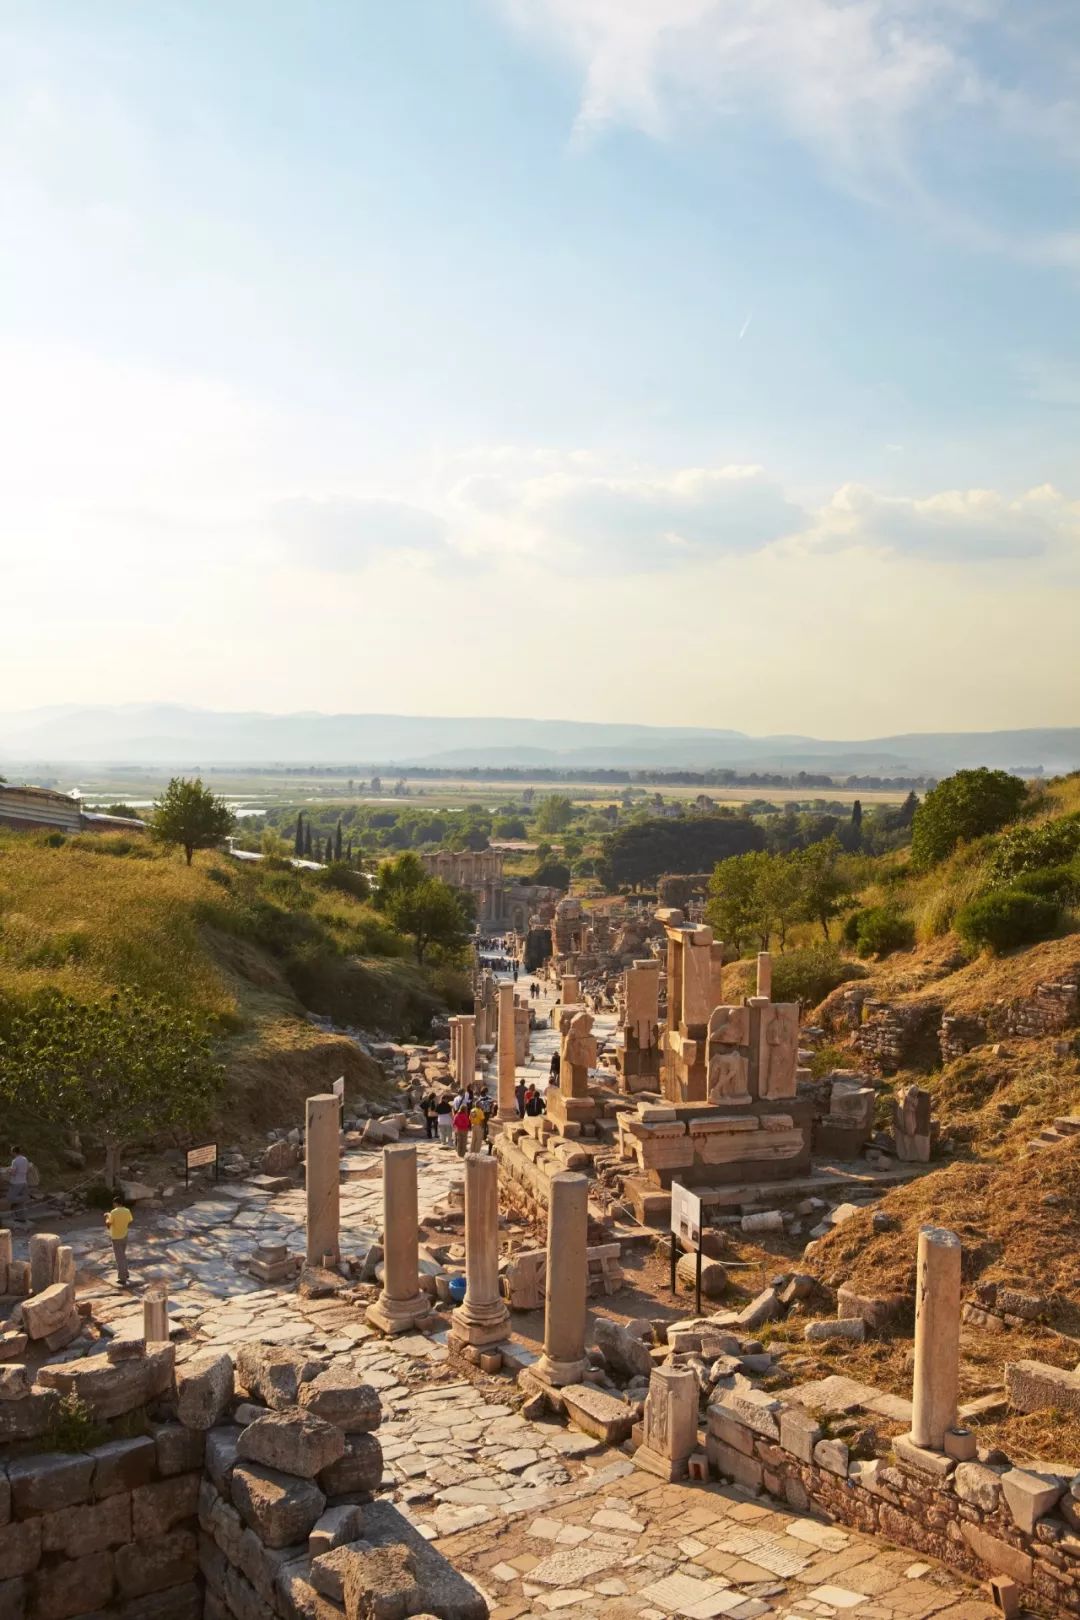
765,1308
597,1413
14,1594
832,1455
998,1556
28,1418
175,1603
76,1531
358,1471
179,1450
281,1509
726,1427
42,1484
292,1442
934,1464
204,1389
156,1508
273,1374
121,1465
1030,1496
20,1548
340,1397
799,1433
14,1381
336,1526
111,1389
978,1486
44,1313
733,1464
152,1566
753,1408
1033,1386
221,1454
77,1586
625,1352
876,1310
851,1327
959,1444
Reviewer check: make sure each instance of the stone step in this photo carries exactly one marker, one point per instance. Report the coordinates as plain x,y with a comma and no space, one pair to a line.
1068,1124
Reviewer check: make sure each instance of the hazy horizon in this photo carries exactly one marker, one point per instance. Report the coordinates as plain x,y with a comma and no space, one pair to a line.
634,360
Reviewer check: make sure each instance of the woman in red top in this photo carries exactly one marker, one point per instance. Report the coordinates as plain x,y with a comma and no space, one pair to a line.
461,1130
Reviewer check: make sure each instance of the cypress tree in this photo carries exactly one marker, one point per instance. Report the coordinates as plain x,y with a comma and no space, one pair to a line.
337,841
298,841
348,852
307,840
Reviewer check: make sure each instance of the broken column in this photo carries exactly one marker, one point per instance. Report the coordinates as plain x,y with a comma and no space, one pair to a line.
639,1049
764,975
669,1432
483,1318
912,1124
401,1305
570,992
156,1317
323,1178
507,1067
44,1247
937,1337
563,1360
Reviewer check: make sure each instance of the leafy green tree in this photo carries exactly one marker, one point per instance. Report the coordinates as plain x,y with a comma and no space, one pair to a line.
734,908
1005,918
433,913
124,811
190,815
119,1070
963,807
1030,848
823,885
509,827
552,874
554,814
397,876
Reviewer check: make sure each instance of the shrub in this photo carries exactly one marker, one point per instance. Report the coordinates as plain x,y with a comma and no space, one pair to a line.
74,1427
877,930
1032,849
345,878
809,975
1061,883
1005,918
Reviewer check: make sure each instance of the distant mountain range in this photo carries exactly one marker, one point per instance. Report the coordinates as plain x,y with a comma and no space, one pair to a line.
161,734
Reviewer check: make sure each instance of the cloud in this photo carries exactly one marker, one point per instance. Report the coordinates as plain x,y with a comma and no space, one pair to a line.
340,534
965,526
872,87
642,523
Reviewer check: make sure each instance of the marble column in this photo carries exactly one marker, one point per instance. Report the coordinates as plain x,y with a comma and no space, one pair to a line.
571,990
322,1154
937,1337
507,1068
566,1288
156,1317
483,1318
401,1304
466,1069
764,974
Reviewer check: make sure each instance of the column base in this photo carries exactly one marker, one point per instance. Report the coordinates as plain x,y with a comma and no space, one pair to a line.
669,1468
398,1315
480,1328
559,1372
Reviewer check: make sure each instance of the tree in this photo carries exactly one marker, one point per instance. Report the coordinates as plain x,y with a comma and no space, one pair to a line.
348,852
823,889
734,907
906,812
119,1070
856,821
964,806
275,849
298,838
433,913
124,811
554,814
397,877
641,851
307,841
552,875
337,841
190,815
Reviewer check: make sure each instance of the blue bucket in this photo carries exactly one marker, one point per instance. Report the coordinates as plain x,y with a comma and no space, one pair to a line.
457,1289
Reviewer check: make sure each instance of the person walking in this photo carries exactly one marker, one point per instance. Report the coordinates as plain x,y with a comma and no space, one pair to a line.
444,1114
519,1098
18,1172
553,1068
117,1222
477,1126
461,1130
431,1115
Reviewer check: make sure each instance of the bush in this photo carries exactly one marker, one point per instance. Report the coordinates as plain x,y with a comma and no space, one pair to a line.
877,930
74,1426
338,875
809,975
1005,918
1032,849
1060,883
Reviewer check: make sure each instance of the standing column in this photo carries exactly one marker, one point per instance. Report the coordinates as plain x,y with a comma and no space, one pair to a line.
483,1318
764,974
937,1337
507,1066
563,1360
467,1049
156,1316
322,1146
401,1304
571,990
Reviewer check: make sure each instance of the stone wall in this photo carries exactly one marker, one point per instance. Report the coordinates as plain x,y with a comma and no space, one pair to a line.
982,1517
891,1038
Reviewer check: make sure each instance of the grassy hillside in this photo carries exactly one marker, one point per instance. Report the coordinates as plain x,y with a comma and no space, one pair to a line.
248,948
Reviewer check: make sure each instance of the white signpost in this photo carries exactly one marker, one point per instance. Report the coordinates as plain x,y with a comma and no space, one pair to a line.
686,1233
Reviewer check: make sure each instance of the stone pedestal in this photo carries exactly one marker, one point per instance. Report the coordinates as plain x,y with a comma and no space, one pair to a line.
44,1247
563,1360
483,1319
764,975
401,1305
639,1053
669,1432
912,1125
323,1177
937,1337
570,991
507,1068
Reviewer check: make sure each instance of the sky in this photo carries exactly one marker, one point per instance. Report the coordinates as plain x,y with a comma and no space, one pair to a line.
698,362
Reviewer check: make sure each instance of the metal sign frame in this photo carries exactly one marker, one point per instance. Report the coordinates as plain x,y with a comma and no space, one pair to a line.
196,1159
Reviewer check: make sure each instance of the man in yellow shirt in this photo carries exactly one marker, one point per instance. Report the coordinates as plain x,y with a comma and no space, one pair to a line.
117,1221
